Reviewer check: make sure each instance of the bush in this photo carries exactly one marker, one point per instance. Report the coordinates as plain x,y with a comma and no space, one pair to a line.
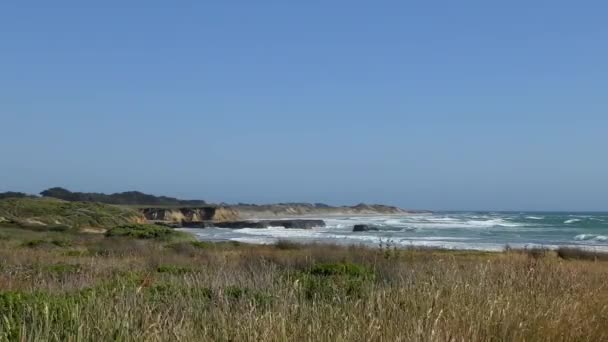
257,298
61,269
46,243
344,269
336,280
284,244
580,254
146,231
173,269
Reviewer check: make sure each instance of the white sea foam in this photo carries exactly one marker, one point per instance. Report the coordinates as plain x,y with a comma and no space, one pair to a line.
444,230
535,217
591,237
572,221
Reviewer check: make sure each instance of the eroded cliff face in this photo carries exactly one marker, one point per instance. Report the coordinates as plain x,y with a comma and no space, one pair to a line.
181,215
298,210
234,213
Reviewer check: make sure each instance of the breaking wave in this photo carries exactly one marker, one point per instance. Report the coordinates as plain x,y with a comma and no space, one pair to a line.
487,231
591,237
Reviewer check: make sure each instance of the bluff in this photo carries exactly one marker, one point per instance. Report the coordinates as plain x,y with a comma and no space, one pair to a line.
190,215
307,209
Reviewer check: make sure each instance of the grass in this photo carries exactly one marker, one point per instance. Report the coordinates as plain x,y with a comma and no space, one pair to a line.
53,214
569,253
98,288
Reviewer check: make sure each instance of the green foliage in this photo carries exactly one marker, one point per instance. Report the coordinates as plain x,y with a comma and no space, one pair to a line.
56,215
147,231
46,243
286,245
12,194
54,310
333,281
192,248
173,269
255,297
166,293
202,244
76,253
340,269
61,269
123,198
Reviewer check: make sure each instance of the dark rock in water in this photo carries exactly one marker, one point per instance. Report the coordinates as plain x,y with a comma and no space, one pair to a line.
297,224
242,224
289,224
363,228
195,224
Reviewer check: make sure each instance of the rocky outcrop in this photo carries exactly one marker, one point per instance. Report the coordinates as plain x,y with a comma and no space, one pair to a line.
305,209
364,228
190,215
288,224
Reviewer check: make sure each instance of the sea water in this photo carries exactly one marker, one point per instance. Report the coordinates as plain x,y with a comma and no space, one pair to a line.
491,231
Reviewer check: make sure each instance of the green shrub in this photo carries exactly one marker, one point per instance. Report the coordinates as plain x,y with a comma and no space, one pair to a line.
202,244
344,269
255,297
46,243
61,269
76,253
166,293
173,269
146,231
335,280
20,310
285,245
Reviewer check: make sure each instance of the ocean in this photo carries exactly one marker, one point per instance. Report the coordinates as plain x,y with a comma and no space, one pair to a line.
490,231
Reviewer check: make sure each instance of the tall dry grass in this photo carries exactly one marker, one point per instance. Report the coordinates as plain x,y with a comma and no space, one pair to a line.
118,289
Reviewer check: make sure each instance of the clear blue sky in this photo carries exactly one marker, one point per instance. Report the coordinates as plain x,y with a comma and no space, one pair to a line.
422,104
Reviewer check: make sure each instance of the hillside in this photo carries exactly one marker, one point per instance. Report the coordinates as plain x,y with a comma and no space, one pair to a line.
41,212
191,210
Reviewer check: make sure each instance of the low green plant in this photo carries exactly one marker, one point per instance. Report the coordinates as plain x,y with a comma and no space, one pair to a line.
335,281
174,269
255,297
340,269
46,243
286,245
147,231
61,269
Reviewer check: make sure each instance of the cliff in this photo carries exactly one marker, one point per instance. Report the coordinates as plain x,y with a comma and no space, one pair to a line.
234,213
306,209
182,215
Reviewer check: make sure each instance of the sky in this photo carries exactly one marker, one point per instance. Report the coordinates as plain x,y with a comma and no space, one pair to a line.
455,105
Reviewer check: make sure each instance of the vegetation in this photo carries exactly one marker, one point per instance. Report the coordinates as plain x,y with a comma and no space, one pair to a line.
147,231
575,253
92,287
122,198
52,214
12,194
